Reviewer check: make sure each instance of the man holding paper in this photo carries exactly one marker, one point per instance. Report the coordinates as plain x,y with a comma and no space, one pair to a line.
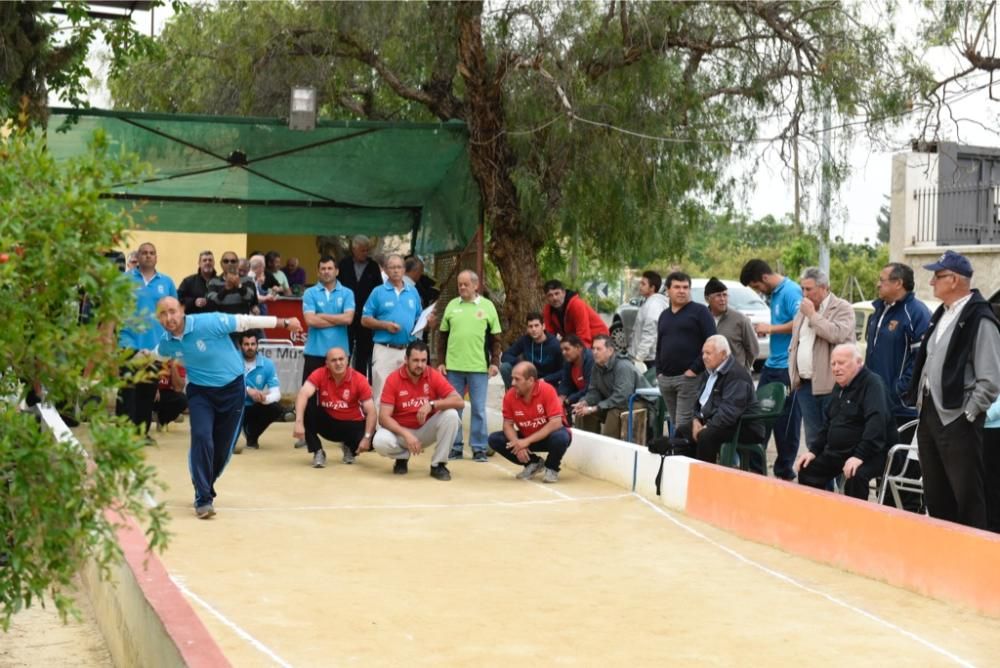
470,350
391,312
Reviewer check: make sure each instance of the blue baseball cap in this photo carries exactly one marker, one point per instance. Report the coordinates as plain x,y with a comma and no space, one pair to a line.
952,261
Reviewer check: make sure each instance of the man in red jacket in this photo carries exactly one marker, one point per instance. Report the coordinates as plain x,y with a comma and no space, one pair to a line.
567,313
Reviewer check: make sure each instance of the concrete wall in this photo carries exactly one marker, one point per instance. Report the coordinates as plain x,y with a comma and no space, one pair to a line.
911,171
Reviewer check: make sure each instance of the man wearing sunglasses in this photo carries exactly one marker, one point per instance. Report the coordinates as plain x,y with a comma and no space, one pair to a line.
230,292
956,376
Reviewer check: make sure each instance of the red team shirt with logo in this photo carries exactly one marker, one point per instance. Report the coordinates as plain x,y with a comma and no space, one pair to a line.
407,397
577,375
341,401
532,414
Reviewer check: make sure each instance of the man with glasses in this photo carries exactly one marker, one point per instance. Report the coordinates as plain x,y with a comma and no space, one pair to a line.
895,329
231,292
193,290
956,377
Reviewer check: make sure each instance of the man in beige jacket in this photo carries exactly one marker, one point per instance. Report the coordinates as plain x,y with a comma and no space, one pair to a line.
823,322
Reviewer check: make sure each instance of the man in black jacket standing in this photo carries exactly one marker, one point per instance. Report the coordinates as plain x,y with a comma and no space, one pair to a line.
361,275
725,393
193,290
857,432
956,377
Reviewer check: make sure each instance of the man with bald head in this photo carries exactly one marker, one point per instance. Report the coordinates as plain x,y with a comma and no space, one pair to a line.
141,333
469,332
216,389
533,421
342,411
857,431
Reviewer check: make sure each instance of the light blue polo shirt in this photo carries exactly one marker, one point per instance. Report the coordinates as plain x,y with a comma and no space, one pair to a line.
145,335
404,309
263,376
785,301
318,299
205,349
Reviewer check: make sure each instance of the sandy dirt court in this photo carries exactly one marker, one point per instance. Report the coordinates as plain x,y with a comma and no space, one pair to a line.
350,565
38,638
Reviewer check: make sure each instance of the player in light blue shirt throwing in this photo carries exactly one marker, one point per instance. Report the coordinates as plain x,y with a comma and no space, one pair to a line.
216,388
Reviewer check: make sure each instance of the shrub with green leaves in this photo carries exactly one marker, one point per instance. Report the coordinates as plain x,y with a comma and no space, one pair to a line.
55,497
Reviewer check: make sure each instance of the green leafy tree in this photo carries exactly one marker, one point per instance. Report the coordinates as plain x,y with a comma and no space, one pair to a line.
598,130
38,56
59,504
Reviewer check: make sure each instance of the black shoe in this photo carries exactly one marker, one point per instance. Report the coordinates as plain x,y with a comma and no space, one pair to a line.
253,445
440,472
400,467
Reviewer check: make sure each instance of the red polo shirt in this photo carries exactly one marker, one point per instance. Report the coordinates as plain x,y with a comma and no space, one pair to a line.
576,373
406,396
531,415
341,401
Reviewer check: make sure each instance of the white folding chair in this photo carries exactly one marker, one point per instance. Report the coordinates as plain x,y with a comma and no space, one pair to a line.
900,482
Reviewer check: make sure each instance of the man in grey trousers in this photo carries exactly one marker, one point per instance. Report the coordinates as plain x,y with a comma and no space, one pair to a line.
613,380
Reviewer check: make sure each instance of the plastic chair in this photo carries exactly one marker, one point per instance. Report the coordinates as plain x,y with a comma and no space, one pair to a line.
771,401
899,482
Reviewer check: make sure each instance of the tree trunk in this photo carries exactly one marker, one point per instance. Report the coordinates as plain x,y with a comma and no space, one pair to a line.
510,248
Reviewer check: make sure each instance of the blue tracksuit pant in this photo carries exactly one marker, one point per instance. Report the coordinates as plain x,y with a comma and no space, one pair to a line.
216,413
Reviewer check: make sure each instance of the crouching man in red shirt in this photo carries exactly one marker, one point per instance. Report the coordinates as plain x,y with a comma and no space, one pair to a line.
342,411
418,407
533,421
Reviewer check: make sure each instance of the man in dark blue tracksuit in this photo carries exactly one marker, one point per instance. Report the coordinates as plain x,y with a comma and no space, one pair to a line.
215,389
894,333
893,337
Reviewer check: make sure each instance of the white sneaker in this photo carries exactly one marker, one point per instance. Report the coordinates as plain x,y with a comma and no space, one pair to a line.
530,469
319,459
551,476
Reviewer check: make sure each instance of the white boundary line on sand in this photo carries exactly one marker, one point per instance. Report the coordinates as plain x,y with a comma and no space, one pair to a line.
258,645
795,583
421,506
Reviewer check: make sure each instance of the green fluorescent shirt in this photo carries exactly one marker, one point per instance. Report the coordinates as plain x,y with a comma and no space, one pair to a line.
467,324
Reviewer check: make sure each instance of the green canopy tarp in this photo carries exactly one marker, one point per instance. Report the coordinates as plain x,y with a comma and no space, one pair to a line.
254,175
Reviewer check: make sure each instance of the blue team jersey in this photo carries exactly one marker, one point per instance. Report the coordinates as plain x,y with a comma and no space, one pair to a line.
205,349
318,299
785,301
384,304
263,376
146,334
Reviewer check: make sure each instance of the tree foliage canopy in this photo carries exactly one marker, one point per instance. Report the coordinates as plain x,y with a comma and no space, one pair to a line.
54,231
599,130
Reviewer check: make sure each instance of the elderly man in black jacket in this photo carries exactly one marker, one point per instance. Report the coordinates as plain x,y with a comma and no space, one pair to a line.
857,432
725,393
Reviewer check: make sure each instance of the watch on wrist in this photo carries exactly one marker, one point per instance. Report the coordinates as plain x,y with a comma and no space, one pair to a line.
431,402
969,416
368,435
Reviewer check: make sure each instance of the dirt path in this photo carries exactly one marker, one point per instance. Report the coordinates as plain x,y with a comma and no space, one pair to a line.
37,638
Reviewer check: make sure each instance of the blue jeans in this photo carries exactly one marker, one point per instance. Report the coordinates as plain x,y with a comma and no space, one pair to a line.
786,428
477,384
216,414
813,410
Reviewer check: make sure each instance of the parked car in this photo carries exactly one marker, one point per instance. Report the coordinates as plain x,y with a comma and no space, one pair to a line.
863,311
741,298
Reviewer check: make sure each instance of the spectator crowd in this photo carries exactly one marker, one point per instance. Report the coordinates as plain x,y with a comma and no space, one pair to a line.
369,382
